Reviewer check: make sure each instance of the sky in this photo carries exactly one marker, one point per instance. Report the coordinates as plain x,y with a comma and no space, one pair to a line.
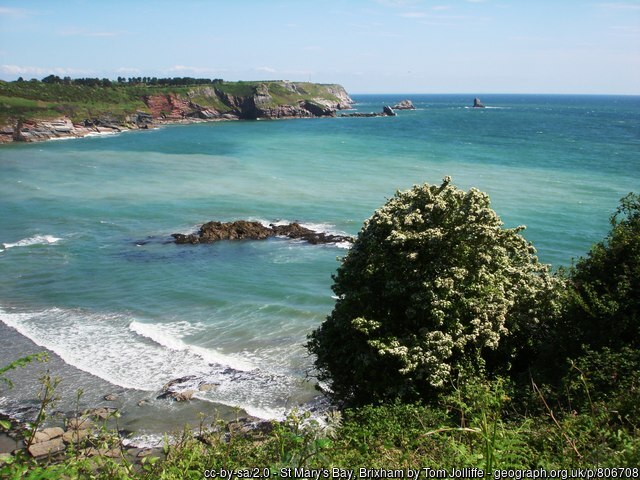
368,46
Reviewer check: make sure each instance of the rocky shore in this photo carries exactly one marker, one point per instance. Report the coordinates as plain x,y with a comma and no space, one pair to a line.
246,230
269,100
94,433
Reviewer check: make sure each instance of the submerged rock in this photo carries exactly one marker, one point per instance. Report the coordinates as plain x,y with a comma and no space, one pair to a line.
245,230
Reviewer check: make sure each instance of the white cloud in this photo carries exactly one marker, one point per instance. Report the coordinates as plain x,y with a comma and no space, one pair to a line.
17,70
266,69
15,12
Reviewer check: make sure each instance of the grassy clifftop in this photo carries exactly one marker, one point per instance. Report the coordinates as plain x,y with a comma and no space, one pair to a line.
45,100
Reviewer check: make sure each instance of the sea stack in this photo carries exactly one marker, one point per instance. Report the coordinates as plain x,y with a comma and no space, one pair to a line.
477,103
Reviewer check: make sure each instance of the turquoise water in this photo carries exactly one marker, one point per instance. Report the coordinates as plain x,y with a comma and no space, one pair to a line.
87,269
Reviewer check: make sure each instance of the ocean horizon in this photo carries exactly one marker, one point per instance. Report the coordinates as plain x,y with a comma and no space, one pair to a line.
89,272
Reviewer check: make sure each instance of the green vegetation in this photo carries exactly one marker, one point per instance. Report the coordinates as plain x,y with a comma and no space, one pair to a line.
90,98
604,301
433,289
40,100
574,334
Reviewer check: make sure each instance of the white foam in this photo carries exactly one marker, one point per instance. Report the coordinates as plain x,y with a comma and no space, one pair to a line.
54,139
170,336
35,240
144,441
145,356
101,134
326,228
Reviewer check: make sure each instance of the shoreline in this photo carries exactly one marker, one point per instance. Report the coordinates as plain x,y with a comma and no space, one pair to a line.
49,130
63,129
144,417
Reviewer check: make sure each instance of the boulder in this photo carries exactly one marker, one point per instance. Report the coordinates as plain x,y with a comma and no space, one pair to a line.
53,432
182,396
9,444
101,413
75,436
40,437
387,110
49,447
79,423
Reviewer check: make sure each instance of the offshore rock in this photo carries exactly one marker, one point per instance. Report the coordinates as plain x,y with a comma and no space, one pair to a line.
477,103
404,105
386,112
245,230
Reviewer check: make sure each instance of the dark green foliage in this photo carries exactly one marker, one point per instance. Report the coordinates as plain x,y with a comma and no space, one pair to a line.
606,377
433,288
600,326
605,303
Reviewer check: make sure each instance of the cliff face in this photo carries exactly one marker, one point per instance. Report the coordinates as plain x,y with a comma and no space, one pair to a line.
265,100
225,101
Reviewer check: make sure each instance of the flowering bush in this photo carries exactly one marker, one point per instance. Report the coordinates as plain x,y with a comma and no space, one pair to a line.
432,287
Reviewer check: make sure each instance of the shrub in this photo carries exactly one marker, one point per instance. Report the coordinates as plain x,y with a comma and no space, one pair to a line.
432,287
604,309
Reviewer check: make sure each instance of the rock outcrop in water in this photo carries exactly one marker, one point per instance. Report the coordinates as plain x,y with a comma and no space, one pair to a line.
477,103
245,230
387,111
404,105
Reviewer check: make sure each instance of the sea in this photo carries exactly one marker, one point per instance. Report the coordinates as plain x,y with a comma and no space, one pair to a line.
89,272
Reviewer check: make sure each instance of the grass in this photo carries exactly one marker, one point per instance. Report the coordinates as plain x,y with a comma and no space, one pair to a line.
34,100
479,426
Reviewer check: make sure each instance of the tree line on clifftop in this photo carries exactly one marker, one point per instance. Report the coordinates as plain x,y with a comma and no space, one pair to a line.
120,81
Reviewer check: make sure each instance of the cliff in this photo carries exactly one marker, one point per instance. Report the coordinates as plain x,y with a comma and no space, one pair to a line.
36,111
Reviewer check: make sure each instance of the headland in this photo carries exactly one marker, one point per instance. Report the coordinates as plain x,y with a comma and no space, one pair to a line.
55,108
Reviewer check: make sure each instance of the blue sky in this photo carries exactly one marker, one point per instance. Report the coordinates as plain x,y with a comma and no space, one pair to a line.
369,46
